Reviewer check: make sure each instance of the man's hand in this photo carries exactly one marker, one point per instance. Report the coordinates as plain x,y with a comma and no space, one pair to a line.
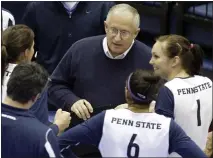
62,120
122,106
82,109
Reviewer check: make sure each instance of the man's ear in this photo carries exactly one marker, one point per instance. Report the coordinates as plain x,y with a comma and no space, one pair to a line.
137,32
105,26
26,52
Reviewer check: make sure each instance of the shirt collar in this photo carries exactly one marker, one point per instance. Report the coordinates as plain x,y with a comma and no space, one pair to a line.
70,6
16,111
109,55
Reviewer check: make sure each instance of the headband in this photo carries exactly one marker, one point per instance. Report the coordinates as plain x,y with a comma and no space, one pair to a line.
137,96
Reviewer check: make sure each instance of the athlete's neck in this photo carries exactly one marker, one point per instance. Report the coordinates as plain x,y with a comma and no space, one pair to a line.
10,102
181,74
138,108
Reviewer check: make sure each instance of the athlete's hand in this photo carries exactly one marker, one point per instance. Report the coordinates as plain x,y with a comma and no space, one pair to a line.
122,106
62,120
82,109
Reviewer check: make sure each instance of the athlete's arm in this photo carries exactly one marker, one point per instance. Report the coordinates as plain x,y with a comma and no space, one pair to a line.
180,143
165,102
88,132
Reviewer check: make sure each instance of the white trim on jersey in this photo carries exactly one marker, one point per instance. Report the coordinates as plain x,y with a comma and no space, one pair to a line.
6,78
65,148
6,18
8,116
48,146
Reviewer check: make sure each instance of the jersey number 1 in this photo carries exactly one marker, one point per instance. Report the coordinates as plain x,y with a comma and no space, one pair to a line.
132,145
198,113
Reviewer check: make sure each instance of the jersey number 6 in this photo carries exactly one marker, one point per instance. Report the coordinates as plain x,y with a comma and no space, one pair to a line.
132,145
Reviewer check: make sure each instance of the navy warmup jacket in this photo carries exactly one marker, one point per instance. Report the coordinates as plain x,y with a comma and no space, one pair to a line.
23,136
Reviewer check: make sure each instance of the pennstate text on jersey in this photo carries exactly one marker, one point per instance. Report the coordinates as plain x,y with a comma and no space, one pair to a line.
193,90
141,124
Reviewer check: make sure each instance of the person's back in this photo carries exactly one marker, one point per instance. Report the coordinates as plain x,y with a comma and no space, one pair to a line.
23,136
186,97
129,134
192,102
123,133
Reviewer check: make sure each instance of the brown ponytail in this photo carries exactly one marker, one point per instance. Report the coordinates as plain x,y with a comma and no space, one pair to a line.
190,54
197,61
15,40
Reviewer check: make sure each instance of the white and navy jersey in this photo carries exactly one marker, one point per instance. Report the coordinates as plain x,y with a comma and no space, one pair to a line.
7,19
23,136
6,78
123,133
189,102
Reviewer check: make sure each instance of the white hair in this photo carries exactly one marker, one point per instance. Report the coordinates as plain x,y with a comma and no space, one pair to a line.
126,8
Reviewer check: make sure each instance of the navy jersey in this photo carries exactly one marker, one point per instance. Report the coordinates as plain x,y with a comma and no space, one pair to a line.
23,136
123,133
189,102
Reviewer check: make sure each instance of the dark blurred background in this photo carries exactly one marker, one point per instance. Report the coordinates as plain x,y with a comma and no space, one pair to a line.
190,19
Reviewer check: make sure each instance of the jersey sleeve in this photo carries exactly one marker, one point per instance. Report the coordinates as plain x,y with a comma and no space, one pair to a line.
55,128
50,148
180,143
88,132
165,102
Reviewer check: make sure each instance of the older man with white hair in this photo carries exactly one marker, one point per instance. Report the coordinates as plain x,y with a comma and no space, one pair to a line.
91,76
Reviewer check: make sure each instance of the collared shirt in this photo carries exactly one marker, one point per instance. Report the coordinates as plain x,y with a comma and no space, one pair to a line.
109,55
70,6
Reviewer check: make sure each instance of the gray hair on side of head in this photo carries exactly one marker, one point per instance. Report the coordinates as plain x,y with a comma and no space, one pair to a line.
126,8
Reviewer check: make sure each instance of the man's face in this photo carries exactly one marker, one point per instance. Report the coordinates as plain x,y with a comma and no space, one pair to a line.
120,30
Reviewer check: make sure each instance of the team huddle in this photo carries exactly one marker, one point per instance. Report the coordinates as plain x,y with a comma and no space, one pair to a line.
112,69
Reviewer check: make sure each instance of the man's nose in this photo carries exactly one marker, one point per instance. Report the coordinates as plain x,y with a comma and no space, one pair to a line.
151,61
118,36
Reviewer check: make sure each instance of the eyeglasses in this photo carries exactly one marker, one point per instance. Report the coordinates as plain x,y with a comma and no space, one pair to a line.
123,34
